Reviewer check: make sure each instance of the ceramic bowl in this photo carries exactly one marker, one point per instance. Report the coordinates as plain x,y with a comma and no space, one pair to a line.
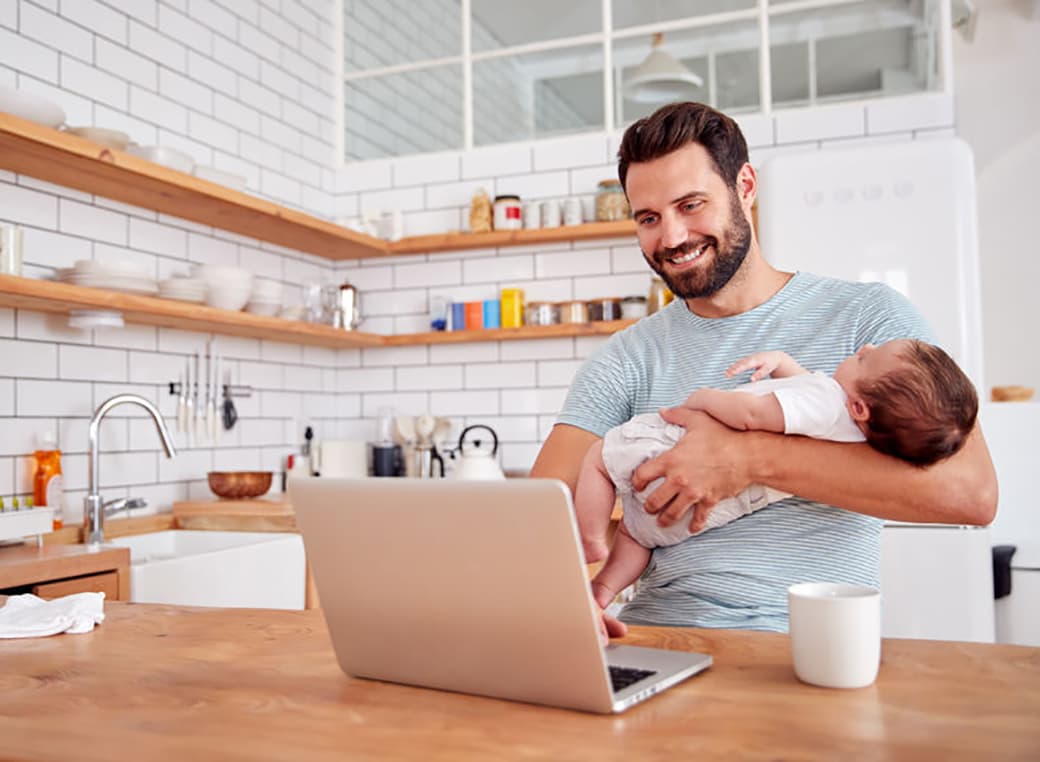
239,484
32,107
109,138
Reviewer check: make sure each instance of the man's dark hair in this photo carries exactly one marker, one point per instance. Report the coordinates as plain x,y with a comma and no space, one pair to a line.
676,125
923,411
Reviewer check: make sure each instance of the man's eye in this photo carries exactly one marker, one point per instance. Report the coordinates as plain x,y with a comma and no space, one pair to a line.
689,206
648,219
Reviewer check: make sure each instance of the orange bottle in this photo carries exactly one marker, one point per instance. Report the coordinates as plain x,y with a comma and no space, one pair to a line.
48,489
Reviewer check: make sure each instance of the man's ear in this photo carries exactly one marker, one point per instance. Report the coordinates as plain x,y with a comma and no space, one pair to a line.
747,185
858,409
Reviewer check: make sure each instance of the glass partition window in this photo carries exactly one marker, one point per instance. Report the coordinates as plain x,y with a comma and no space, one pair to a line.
430,75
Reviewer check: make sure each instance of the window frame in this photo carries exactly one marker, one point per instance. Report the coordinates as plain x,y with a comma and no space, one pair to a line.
762,13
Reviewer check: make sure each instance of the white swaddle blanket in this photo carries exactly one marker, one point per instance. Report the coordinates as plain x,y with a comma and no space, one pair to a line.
28,616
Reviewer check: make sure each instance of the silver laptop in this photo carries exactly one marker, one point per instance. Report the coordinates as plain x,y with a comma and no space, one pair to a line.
476,587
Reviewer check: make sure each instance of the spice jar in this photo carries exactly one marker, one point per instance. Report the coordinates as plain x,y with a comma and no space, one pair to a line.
507,213
574,312
633,307
604,309
541,313
611,204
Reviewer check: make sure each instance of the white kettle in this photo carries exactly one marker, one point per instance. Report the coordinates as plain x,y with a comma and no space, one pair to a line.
475,459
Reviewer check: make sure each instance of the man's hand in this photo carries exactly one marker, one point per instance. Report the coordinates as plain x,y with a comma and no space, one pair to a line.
709,464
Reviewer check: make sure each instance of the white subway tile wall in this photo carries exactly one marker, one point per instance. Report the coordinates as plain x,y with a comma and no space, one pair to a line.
249,86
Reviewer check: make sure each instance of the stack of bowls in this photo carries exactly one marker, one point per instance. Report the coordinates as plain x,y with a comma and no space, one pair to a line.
266,298
183,289
227,287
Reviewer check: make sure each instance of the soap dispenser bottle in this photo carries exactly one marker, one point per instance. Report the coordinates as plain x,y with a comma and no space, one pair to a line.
48,488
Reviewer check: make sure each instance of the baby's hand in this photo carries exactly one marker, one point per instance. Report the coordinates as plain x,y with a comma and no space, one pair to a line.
763,363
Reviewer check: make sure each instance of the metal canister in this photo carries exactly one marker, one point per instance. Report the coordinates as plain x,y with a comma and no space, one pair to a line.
348,312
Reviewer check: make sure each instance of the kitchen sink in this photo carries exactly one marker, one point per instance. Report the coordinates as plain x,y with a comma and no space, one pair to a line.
203,568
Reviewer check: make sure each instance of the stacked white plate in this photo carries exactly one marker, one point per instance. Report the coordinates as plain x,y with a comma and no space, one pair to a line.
131,277
183,289
227,287
266,298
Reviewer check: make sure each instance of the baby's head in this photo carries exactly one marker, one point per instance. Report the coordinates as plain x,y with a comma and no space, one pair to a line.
909,399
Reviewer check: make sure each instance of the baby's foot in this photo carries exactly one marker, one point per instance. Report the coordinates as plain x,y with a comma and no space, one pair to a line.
595,548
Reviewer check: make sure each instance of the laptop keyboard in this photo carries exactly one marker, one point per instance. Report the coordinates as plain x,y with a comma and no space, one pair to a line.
622,677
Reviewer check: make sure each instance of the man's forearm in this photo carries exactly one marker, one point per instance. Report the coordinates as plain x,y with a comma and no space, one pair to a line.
959,490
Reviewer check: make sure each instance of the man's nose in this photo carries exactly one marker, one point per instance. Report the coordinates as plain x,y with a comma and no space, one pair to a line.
673,231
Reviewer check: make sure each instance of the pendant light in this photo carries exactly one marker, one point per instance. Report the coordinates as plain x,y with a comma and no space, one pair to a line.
660,78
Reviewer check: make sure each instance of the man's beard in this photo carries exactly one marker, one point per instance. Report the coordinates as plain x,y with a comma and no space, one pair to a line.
729,256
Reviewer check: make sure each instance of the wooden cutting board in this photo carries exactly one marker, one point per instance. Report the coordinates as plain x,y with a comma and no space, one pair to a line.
255,515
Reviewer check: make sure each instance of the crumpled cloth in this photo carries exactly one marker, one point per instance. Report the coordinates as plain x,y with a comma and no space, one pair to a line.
29,616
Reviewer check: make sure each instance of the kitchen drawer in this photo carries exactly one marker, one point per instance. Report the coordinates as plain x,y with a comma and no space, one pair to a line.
107,583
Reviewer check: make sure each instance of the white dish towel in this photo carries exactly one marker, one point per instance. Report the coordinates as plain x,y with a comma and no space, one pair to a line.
28,616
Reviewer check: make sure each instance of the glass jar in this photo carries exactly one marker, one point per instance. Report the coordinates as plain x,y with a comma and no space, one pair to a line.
633,307
611,204
508,213
659,297
573,312
541,313
604,309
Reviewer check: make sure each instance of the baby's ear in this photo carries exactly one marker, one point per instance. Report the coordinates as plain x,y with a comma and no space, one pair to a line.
858,409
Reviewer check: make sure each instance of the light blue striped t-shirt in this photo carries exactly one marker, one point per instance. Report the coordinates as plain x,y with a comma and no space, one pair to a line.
737,576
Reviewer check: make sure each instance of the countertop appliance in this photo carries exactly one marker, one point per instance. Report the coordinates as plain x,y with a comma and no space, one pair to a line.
902,213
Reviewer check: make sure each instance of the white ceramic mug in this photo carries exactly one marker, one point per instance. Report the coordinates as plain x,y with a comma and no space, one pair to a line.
835,633
341,459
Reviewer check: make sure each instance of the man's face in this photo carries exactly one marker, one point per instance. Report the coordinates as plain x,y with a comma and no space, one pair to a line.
690,223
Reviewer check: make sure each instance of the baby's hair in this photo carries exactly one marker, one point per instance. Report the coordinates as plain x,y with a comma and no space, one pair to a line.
923,411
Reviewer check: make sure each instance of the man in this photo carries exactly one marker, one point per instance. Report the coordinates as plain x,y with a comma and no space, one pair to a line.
686,173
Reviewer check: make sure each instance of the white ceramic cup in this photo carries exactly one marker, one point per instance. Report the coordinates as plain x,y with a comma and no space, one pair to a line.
341,459
835,633
550,214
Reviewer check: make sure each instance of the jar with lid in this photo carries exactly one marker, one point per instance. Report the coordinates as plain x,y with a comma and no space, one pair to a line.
508,213
633,307
573,312
604,309
611,204
541,313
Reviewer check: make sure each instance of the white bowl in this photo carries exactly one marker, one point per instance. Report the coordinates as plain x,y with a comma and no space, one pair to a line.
168,157
264,308
267,290
227,298
224,275
214,175
35,108
110,138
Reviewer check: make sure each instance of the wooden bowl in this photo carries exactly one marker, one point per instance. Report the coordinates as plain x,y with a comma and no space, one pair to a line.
239,484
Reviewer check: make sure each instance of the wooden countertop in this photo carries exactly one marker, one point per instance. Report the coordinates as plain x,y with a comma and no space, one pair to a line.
164,682
25,564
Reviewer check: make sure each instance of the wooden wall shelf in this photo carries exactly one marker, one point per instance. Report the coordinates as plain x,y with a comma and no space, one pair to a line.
64,159
48,296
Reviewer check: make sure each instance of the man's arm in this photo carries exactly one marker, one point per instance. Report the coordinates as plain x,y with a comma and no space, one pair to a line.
560,458
712,462
562,454
739,410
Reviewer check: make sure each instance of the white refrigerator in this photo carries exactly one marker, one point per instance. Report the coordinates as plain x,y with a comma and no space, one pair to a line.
902,213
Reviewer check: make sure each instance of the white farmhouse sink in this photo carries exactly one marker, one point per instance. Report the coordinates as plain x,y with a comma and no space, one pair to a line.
202,568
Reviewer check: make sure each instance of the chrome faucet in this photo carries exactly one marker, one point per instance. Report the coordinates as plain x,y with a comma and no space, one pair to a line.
93,508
